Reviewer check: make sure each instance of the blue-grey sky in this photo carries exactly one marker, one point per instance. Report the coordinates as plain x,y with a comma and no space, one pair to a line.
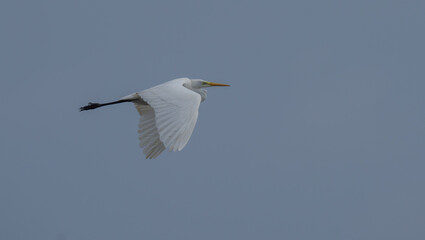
320,136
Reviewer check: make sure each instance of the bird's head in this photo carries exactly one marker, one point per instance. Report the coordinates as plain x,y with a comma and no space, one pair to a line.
199,83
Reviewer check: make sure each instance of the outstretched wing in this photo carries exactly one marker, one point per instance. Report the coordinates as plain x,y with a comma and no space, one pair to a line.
148,133
175,110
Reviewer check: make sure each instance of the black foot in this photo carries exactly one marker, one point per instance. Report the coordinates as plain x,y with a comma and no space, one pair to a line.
90,106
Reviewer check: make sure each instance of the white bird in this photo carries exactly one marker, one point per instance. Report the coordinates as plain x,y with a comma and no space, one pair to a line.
168,113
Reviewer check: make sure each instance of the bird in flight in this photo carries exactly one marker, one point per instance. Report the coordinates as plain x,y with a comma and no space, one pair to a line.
168,113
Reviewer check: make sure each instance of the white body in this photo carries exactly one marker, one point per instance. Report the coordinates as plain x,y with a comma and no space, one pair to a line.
168,114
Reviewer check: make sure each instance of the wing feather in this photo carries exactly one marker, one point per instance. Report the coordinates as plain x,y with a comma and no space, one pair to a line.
175,111
168,115
148,134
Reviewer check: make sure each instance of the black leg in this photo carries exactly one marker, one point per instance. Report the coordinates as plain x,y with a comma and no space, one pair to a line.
91,105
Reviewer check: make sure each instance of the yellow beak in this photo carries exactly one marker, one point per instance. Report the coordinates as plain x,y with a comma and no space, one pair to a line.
218,84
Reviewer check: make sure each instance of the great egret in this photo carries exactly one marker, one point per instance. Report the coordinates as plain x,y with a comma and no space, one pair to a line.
168,113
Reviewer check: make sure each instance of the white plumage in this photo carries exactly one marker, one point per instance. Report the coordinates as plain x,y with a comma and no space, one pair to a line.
168,113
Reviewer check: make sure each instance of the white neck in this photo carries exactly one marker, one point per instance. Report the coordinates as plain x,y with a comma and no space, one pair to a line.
195,86
201,92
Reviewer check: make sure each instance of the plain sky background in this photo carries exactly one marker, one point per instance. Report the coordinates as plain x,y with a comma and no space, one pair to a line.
320,136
